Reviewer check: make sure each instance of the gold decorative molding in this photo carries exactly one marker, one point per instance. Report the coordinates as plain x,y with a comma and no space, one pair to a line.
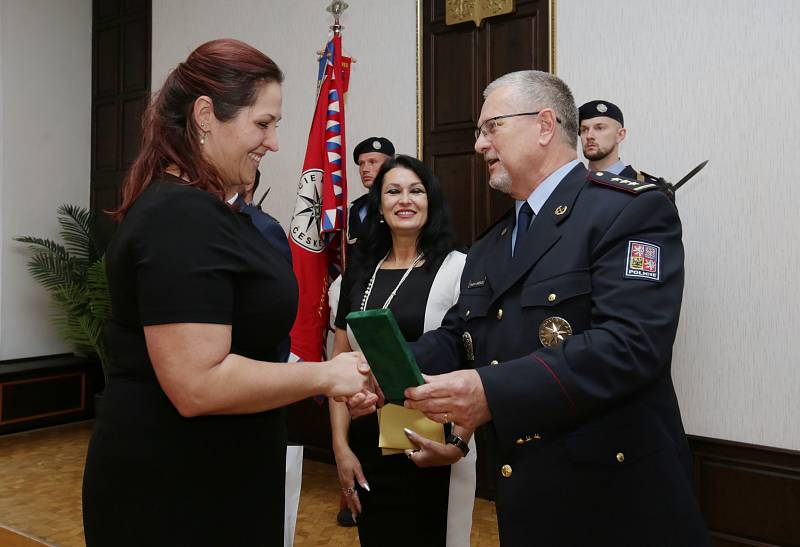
419,80
458,11
552,36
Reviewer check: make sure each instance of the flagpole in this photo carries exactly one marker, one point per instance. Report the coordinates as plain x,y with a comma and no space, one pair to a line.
336,9
318,220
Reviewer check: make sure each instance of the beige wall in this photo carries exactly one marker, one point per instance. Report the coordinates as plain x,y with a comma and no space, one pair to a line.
714,80
45,129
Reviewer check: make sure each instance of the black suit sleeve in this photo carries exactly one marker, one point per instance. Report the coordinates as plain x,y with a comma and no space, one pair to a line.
628,344
440,351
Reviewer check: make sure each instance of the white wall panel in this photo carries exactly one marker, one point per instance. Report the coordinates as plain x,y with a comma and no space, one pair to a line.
714,80
380,34
45,134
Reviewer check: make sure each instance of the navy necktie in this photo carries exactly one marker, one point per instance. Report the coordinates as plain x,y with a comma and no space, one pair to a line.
523,224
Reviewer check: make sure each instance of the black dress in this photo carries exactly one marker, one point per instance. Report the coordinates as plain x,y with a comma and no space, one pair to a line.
402,497
156,478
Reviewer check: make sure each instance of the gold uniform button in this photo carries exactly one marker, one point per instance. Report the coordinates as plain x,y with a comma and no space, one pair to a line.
506,470
529,438
499,314
620,457
494,362
551,297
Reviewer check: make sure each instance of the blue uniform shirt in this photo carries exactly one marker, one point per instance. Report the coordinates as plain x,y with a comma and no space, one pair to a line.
616,167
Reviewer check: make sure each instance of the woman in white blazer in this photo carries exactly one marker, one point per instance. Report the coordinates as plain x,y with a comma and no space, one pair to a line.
407,261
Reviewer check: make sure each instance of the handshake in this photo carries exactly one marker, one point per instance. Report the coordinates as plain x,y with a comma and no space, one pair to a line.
352,382
456,397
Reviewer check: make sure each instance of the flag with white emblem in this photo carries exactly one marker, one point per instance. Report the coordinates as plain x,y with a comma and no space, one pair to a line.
318,220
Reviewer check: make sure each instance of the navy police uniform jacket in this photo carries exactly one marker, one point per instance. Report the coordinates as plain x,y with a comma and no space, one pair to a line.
629,172
572,339
355,226
354,223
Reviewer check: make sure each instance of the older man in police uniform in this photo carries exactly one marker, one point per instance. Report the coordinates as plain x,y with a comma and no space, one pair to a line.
568,311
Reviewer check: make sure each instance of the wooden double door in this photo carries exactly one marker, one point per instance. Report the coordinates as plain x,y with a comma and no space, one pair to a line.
458,62
120,93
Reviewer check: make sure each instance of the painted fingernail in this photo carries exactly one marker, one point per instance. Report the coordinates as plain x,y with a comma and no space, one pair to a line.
354,517
407,431
365,486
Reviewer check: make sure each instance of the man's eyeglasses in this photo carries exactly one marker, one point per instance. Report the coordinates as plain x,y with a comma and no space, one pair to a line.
487,128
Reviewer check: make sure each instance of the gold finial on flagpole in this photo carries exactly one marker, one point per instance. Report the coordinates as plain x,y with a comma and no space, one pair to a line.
336,9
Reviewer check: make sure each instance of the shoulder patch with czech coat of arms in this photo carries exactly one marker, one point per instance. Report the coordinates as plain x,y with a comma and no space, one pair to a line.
643,261
621,183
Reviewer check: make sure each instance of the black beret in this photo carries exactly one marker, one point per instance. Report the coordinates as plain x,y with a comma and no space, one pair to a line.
374,144
594,109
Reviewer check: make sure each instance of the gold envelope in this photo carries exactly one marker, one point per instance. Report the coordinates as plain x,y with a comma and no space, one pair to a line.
393,418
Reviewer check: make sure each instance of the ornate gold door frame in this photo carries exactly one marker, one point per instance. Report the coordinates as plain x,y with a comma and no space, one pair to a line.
458,11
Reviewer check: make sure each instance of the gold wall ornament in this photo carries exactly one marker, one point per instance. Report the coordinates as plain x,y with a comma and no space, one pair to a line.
458,11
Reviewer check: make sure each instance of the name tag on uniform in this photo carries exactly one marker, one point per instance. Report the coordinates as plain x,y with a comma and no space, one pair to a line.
476,284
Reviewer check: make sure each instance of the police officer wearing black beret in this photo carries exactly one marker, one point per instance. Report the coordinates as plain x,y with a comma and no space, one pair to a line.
563,335
369,155
602,130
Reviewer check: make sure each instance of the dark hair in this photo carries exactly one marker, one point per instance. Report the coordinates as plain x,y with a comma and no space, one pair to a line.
435,240
228,71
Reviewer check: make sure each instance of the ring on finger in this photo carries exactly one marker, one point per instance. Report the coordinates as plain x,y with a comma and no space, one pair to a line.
348,491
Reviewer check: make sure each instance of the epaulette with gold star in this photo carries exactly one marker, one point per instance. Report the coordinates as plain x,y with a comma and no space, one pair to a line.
621,183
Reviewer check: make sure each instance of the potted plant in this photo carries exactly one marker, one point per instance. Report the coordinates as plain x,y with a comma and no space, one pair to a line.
74,274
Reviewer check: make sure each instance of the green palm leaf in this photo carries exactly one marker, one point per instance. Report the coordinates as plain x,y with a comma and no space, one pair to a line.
75,276
97,290
38,244
52,271
76,230
74,321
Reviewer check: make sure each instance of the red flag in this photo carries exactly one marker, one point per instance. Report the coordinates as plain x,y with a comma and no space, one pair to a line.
318,221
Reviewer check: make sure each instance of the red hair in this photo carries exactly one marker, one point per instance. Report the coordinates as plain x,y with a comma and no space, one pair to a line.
228,71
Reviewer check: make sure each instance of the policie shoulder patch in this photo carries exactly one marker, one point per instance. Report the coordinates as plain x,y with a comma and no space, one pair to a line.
643,261
621,183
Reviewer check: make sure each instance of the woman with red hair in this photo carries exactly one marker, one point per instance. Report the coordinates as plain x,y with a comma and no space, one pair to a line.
190,440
